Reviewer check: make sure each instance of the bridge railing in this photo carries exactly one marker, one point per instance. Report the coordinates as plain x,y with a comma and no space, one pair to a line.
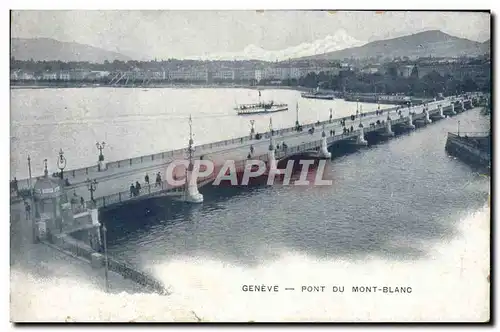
85,171
142,278
126,195
470,134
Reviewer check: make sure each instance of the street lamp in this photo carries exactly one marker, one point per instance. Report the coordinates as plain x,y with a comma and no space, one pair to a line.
61,162
458,128
91,186
252,130
297,116
100,146
29,170
104,230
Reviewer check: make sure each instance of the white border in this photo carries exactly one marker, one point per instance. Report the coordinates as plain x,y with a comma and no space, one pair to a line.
185,4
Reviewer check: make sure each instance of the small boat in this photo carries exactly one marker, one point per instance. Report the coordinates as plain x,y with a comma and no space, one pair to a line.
260,108
318,95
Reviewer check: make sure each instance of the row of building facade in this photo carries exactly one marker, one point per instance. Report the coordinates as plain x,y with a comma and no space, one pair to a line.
231,75
202,75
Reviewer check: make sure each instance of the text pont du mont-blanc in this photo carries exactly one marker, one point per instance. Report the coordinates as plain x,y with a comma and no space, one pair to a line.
327,289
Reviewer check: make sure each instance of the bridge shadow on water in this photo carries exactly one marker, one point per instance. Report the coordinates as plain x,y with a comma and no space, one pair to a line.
402,208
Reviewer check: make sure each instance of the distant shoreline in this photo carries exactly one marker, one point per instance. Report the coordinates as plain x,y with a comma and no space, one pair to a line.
156,86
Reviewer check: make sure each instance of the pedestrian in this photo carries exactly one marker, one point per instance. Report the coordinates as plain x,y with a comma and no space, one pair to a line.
158,180
28,210
14,187
82,202
146,179
251,149
138,187
132,190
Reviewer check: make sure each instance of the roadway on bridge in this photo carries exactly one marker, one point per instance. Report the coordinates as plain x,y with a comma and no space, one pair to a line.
120,179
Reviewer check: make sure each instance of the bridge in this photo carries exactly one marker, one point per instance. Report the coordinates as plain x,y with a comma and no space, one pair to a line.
61,219
114,178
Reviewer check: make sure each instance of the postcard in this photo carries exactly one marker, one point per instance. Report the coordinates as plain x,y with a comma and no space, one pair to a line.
250,166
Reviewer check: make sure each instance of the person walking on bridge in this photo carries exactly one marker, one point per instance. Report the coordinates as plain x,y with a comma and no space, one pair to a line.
137,187
14,187
158,180
132,190
27,208
146,179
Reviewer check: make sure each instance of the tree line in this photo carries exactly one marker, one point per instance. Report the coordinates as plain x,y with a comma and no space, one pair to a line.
429,85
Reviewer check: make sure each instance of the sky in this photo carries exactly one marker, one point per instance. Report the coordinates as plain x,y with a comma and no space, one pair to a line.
178,34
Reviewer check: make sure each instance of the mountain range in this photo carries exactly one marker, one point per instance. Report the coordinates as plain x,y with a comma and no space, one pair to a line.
333,47
40,49
423,44
339,41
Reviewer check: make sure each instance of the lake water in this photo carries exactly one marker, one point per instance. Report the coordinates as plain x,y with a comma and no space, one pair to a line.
136,122
398,213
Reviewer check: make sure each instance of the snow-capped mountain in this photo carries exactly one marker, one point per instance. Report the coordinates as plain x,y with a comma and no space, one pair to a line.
339,41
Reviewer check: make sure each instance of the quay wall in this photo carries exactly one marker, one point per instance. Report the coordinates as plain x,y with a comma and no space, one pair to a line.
468,149
79,249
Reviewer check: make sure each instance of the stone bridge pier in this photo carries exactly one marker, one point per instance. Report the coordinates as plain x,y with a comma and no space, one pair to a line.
410,124
360,140
427,118
323,150
191,193
439,114
388,127
451,111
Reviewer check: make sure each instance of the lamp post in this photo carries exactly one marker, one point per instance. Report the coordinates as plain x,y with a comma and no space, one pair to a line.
45,168
100,147
29,170
61,162
91,186
252,130
104,230
297,115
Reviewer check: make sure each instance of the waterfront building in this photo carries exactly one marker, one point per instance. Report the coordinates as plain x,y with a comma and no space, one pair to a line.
64,75
406,70
244,75
49,76
258,75
370,70
188,75
78,75
223,75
